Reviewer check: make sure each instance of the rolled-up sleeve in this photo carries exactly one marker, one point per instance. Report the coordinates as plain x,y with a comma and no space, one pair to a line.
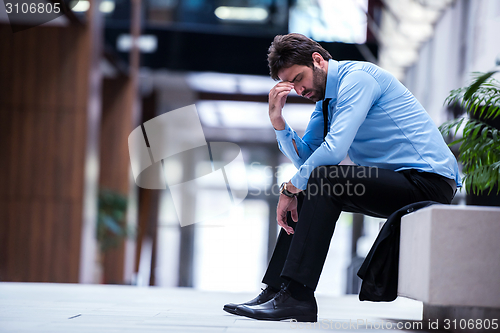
307,144
357,93
285,143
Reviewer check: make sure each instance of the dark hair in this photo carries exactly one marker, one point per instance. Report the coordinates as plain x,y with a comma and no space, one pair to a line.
292,49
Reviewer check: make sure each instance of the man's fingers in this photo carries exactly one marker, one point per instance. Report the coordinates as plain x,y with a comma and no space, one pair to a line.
281,88
295,215
281,217
281,210
282,94
277,97
283,84
284,88
282,223
279,93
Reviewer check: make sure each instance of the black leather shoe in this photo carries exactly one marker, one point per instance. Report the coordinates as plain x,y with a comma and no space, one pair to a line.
263,297
282,306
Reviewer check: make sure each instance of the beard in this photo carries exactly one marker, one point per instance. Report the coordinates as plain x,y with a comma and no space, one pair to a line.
319,85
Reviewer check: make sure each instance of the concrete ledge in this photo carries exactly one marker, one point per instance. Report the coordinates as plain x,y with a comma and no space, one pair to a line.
450,260
450,255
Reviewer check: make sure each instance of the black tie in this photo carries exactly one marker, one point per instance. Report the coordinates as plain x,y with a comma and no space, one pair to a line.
325,117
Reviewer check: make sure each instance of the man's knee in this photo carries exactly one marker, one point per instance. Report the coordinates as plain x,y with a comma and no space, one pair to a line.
331,174
320,172
336,180
316,182
320,180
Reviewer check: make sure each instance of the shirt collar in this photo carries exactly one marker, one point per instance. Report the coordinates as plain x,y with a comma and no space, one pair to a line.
332,80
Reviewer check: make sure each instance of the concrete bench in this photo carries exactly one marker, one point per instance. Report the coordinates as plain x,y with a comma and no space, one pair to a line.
450,260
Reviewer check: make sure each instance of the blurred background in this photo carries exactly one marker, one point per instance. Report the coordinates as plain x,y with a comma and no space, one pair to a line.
73,89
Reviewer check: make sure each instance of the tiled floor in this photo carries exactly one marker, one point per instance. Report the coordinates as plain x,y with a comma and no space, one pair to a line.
69,308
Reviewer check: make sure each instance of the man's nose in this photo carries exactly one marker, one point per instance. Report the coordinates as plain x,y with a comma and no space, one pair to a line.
299,90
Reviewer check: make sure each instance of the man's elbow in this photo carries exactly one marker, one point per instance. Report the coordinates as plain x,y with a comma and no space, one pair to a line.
335,158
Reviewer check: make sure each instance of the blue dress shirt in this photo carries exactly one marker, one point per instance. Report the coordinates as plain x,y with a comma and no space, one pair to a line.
373,118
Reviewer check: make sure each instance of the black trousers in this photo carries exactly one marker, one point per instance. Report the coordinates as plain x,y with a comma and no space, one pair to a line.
332,189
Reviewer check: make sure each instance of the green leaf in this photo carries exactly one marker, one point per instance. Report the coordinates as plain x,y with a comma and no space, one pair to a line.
455,142
458,126
475,86
479,146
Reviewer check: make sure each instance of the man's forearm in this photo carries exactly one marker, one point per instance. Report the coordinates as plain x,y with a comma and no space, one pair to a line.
279,125
278,122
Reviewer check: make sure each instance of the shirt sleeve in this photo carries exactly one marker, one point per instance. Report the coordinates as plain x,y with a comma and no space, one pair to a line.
306,145
357,93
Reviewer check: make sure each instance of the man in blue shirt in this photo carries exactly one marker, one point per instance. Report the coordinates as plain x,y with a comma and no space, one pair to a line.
361,111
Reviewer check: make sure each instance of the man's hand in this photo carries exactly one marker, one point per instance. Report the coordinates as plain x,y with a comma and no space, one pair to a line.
287,204
277,99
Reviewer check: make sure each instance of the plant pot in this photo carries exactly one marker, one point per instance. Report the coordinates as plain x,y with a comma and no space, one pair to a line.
484,199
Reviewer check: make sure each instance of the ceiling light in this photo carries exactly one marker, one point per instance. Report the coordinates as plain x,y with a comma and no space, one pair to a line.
241,13
107,6
80,6
145,43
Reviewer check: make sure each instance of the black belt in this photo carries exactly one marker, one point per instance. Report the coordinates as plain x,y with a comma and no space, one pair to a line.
452,183
431,176
449,181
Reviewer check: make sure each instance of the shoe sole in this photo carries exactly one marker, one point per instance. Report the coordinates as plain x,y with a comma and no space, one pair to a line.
301,319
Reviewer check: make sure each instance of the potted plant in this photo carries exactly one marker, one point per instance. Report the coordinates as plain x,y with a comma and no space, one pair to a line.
479,150
112,228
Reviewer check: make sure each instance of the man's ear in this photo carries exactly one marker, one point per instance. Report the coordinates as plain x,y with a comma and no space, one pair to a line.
318,59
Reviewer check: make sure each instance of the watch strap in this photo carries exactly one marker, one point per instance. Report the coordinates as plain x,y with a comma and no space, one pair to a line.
284,191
